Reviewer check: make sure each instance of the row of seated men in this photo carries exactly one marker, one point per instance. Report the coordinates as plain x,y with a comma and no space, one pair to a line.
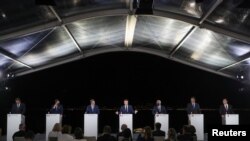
146,134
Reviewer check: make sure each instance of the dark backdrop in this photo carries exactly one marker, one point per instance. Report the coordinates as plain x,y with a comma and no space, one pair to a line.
111,77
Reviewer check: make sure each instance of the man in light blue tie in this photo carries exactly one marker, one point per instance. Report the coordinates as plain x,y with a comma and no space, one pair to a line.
92,108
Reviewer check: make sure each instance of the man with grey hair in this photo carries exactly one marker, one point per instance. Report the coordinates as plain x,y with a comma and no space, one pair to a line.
158,108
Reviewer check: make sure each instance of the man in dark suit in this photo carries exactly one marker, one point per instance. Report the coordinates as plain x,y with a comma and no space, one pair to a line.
158,108
92,108
193,107
158,131
18,107
226,108
126,108
57,108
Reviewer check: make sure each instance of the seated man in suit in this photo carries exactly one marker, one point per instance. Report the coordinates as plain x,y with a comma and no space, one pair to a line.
193,107
158,131
158,108
92,108
126,108
57,108
18,107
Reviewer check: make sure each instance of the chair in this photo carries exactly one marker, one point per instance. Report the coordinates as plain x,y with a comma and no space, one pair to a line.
90,138
53,139
19,139
159,138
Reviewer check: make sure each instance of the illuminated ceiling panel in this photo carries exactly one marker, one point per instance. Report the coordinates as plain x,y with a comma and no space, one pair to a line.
232,15
19,46
212,50
99,32
159,33
57,46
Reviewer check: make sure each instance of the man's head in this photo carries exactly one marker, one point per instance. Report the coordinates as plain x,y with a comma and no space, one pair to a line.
192,99
18,100
106,129
224,101
123,127
157,126
92,102
125,101
22,127
57,101
158,102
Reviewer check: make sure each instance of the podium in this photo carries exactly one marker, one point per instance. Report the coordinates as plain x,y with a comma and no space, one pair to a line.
91,125
51,120
231,119
164,120
197,120
126,119
13,122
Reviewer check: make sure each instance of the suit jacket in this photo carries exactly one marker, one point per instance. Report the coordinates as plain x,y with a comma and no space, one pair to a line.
95,110
224,111
58,110
130,110
157,111
158,133
18,110
193,110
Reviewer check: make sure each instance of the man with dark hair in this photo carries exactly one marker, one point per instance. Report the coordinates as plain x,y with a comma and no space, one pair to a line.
57,108
126,132
185,136
92,108
158,131
106,136
193,107
21,132
225,108
126,108
18,107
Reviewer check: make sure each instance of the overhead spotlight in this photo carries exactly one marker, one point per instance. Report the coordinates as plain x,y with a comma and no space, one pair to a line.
240,76
220,20
192,4
6,88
